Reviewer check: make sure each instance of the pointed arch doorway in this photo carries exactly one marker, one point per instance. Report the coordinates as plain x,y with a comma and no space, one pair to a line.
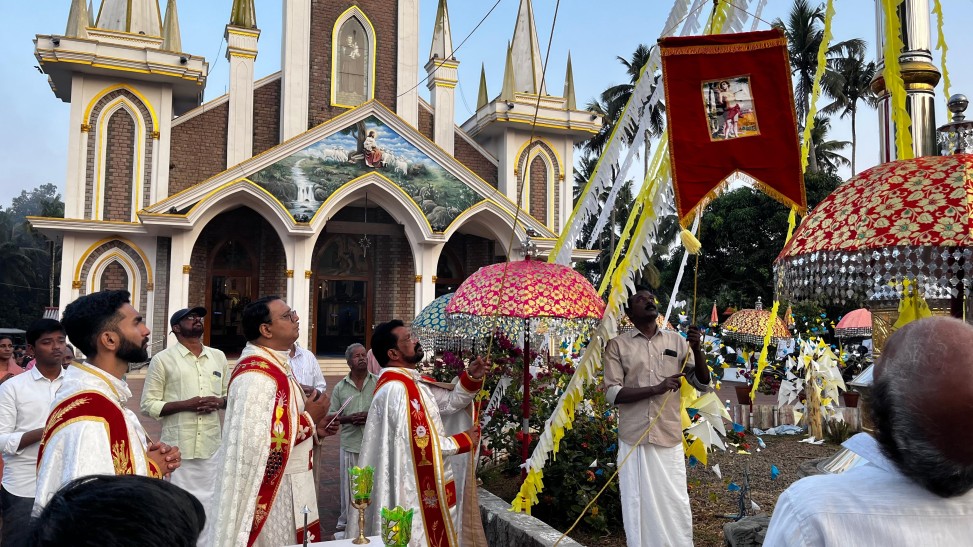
343,290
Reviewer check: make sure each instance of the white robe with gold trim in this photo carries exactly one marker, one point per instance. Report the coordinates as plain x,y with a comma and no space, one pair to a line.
242,460
387,446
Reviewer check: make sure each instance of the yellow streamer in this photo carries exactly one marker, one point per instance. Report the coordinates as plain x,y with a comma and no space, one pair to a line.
937,8
812,110
791,223
893,80
762,360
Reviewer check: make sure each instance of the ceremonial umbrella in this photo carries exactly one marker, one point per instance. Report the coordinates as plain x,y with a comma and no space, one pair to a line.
714,317
431,327
521,297
750,326
898,220
855,324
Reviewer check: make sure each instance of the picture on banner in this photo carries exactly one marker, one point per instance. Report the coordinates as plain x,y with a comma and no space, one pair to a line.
730,108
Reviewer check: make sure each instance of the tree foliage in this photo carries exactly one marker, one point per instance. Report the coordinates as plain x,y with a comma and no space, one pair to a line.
25,257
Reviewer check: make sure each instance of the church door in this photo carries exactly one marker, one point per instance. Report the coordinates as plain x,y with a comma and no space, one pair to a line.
342,296
232,286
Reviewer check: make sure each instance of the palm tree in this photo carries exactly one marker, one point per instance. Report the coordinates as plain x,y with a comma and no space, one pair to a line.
827,151
610,104
855,85
804,31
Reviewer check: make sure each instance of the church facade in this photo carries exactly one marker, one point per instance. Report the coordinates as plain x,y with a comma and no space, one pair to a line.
332,183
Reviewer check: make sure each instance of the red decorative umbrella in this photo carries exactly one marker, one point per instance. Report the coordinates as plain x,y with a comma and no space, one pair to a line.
855,324
714,317
903,219
521,297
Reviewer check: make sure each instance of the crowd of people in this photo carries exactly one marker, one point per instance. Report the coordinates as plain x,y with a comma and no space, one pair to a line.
81,470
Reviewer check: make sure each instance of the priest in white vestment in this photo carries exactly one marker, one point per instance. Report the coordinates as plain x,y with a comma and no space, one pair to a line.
405,441
265,477
643,372
90,431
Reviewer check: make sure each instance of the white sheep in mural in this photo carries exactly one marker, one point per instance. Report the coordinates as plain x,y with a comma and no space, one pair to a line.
334,154
402,166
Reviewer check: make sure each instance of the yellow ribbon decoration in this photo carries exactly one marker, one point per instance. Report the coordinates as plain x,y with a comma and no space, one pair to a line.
893,80
762,360
812,110
937,8
791,223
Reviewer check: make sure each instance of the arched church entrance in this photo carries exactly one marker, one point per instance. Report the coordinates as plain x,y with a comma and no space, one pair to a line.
237,259
362,274
343,289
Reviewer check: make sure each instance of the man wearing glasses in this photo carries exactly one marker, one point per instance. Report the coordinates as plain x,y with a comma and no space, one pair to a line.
184,387
265,492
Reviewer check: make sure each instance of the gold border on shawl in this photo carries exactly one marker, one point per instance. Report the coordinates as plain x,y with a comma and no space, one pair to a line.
49,433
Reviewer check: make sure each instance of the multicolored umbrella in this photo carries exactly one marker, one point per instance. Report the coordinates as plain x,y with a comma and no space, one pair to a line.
855,324
431,327
520,298
531,294
898,220
750,326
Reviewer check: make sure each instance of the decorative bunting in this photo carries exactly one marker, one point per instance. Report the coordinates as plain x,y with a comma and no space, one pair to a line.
893,80
812,110
937,8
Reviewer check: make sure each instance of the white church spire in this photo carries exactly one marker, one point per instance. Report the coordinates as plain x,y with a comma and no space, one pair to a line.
78,20
525,52
442,40
133,16
171,38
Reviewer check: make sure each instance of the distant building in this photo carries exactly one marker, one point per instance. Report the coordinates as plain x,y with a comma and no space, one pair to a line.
330,183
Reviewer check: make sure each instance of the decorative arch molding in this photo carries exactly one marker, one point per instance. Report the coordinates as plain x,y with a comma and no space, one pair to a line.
488,218
529,152
126,254
340,47
241,192
384,193
97,117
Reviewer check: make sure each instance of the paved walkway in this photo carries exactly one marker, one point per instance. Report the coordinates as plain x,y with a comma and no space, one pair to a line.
328,496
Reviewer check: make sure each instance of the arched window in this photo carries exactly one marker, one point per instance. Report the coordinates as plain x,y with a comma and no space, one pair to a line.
352,59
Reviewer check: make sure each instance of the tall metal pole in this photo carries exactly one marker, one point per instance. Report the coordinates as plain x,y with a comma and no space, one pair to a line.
525,406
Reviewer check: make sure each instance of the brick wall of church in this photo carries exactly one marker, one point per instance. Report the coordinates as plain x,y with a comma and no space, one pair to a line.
475,161
119,165
384,16
266,116
395,279
273,264
198,148
114,278
538,189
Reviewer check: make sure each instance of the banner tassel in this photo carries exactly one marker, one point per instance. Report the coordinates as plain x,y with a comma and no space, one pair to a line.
689,241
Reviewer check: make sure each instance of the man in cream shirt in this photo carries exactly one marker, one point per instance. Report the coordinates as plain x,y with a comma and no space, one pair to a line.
184,387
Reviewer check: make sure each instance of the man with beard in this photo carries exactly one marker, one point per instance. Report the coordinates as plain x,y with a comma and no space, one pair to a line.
264,465
917,487
25,402
89,431
404,440
184,387
643,372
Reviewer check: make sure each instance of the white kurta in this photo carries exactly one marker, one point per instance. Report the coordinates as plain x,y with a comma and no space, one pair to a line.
242,460
387,446
82,448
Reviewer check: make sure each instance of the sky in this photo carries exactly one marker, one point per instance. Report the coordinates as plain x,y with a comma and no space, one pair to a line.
34,124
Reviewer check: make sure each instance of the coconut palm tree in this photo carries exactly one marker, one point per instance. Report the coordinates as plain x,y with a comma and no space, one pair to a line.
827,152
854,85
804,30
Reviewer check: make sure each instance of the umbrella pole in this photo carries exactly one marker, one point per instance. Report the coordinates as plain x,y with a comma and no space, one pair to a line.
525,408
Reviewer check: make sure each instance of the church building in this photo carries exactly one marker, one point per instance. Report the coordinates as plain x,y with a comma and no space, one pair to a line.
336,183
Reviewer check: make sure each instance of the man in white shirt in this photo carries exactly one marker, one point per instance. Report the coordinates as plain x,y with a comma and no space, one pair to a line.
917,487
185,386
25,403
306,369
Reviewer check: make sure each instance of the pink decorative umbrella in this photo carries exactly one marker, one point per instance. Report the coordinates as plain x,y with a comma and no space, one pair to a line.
521,297
855,324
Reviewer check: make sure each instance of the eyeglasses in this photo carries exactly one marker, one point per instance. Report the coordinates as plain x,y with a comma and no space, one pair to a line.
410,338
193,317
291,315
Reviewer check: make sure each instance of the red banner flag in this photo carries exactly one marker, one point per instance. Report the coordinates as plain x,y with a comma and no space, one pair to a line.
730,108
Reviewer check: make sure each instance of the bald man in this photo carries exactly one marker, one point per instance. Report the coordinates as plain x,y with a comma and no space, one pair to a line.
917,487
